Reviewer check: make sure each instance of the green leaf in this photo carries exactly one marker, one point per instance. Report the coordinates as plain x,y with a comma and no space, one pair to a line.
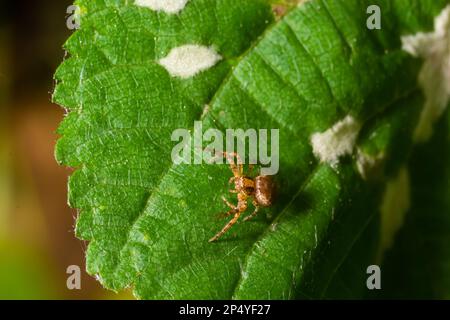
148,221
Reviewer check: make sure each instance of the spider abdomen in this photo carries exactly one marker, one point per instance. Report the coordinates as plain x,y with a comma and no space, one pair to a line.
264,190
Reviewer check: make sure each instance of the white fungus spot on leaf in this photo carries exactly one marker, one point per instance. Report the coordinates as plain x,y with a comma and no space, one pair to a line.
394,206
167,6
367,164
434,77
337,141
188,60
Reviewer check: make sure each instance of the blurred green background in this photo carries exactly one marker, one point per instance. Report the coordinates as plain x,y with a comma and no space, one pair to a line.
37,241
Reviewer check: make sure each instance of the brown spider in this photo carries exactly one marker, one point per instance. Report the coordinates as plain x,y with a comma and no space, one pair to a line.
261,189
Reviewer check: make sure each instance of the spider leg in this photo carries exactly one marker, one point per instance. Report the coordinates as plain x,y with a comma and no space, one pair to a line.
238,169
211,159
230,212
227,226
231,155
232,206
232,179
255,212
251,168
227,214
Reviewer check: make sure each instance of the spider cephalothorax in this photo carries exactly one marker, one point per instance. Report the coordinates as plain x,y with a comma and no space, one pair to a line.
259,189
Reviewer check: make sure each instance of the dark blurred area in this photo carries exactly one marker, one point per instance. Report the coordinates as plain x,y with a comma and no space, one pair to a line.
37,241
